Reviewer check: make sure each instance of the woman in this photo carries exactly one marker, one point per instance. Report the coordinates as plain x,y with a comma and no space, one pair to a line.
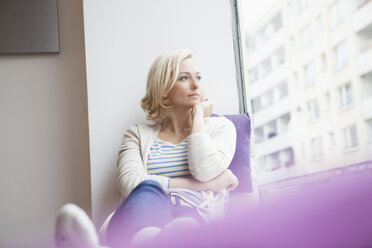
176,169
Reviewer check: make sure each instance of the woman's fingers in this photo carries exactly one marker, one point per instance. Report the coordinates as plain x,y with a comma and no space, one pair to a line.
234,182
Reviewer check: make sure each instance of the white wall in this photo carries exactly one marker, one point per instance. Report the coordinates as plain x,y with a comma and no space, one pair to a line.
122,39
44,143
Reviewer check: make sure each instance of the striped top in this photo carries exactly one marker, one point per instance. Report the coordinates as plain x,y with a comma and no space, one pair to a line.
171,160
168,159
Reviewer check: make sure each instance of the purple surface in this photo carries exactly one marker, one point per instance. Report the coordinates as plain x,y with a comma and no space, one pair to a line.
333,214
240,165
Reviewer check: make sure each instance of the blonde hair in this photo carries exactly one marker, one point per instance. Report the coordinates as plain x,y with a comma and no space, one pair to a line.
161,77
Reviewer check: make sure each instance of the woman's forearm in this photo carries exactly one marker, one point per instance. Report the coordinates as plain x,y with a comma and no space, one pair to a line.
198,121
189,183
226,180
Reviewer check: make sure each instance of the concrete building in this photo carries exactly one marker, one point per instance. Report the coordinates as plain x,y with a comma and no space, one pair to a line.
310,75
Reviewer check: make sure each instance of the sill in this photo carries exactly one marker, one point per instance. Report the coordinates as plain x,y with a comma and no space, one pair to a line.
351,149
345,108
335,26
309,84
316,159
313,120
332,148
342,67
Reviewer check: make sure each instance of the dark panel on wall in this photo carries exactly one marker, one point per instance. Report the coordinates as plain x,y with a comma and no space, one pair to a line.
29,26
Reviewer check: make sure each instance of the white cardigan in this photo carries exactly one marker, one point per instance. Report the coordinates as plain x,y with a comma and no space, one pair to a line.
209,153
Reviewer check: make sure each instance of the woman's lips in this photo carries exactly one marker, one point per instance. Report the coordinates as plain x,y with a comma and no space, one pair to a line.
195,95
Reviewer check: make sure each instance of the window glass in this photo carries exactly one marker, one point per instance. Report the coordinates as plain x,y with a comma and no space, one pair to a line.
350,137
306,36
342,54
311,93
346,98
337,13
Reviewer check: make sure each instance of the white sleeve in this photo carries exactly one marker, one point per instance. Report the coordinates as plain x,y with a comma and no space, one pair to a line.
130,168
210,155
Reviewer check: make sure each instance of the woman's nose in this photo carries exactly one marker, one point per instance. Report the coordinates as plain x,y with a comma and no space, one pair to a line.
195,83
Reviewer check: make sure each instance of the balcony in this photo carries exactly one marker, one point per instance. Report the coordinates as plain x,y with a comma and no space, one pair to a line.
268,82
274,144
272,112
363,17
364,65
267,49
367,109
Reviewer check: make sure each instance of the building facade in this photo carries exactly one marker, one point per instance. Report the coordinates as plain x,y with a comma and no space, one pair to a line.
310,83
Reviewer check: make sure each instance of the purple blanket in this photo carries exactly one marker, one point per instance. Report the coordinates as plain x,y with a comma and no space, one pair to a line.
333,214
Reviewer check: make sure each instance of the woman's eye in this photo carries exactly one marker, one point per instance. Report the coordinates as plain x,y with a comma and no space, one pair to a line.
183,78
198,78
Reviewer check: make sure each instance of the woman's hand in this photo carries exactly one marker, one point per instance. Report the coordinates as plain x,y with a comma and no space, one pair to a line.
204,106
226,180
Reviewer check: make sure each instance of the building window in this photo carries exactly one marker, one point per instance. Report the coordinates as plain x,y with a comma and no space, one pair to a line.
264,68
320,22
303,149
327,101
281,91
342,54
277,58
313,108
350,137
322,63
258,135
337,13
346,97
270,130
302,5
309,72
331,140
306,36
253,75
316,148
256,104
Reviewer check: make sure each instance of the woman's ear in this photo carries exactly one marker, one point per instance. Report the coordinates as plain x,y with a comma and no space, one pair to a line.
166,100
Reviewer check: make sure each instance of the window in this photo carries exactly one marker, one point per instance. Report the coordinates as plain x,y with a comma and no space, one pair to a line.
281,91
320,22
350,137
346,98
309,91
256,104
313,109
293,42
267,98
253,75
306,36
258,135
270,130
316,148
309,72
342,54
277,58
303,149
322,63
296,83
302,5
331,140
337,13
264,68
327,101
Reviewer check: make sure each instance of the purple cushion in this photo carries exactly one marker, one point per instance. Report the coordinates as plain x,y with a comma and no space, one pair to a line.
240,164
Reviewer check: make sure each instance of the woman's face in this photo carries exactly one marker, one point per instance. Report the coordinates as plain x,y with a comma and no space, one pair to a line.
186,91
